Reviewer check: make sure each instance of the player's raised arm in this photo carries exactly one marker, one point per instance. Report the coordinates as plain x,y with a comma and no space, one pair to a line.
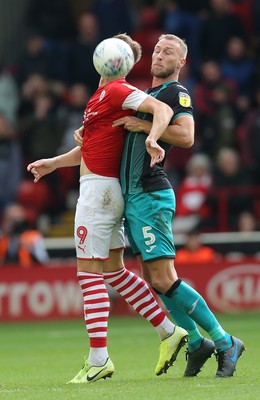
180,133
45,166
162,115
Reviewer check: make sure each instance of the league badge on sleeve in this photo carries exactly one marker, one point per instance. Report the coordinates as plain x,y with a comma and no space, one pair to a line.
184,99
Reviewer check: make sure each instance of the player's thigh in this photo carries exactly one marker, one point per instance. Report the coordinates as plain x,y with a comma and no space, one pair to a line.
130,237
149,220
98,218
115,261
118,236
92,266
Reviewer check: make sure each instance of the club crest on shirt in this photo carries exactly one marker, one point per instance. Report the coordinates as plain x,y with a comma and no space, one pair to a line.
102,95
184,99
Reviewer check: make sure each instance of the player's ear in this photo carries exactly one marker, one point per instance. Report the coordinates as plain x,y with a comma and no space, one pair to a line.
181,63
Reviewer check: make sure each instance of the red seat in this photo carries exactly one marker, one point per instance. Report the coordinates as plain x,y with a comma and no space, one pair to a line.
147,39
34,195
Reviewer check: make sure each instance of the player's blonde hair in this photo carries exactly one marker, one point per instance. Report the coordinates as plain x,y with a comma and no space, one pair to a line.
181,42
135,46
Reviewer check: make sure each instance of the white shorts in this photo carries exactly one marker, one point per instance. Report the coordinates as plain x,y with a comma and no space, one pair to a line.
99,217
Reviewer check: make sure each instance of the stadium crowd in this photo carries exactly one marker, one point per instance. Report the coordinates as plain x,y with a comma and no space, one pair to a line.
44,91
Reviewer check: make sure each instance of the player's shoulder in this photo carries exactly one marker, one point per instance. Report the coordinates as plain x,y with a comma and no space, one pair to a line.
178,87
120,85
181,95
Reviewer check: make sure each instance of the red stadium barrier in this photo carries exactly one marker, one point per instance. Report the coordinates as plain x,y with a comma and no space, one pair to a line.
39,293
42,293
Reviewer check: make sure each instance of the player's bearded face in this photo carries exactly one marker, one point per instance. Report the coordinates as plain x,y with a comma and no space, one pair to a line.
165,59
163,72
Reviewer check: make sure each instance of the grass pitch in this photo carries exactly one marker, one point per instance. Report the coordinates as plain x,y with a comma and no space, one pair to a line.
37,359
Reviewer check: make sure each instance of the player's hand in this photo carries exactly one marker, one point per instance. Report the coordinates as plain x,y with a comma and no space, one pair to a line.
156,152
78,136
40,168
132,124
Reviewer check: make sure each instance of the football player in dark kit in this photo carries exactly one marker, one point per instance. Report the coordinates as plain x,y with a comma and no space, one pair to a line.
150,208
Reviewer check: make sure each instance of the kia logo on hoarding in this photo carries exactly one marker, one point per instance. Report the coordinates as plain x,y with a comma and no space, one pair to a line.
236,288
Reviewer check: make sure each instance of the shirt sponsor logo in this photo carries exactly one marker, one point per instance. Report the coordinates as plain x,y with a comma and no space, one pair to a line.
88,113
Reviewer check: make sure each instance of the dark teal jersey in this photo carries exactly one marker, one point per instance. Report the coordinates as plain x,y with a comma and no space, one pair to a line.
136,174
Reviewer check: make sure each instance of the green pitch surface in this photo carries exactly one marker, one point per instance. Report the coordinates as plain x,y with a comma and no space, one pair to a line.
37,359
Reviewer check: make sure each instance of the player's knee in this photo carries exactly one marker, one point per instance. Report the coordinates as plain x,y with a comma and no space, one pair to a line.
159,283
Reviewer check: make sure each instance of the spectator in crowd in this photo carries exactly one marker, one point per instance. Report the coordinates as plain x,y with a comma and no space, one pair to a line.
215,99
80,68
52,18
194,251
249,139
54,22
35,85
192,193
230,195
238,65
198,7
19,243
247,223
114,16
146,33
9,94
35,58
77,97
41,132
11,163
244,9
186,24
217,27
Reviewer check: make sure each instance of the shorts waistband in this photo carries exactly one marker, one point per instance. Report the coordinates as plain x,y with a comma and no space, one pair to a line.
97,177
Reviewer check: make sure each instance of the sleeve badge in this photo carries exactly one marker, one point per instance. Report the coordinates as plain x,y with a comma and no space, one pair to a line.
184,99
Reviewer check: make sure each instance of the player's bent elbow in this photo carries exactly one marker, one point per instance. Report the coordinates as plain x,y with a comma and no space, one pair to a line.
188,142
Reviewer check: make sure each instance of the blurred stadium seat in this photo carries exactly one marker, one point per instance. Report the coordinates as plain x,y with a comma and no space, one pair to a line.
37,197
